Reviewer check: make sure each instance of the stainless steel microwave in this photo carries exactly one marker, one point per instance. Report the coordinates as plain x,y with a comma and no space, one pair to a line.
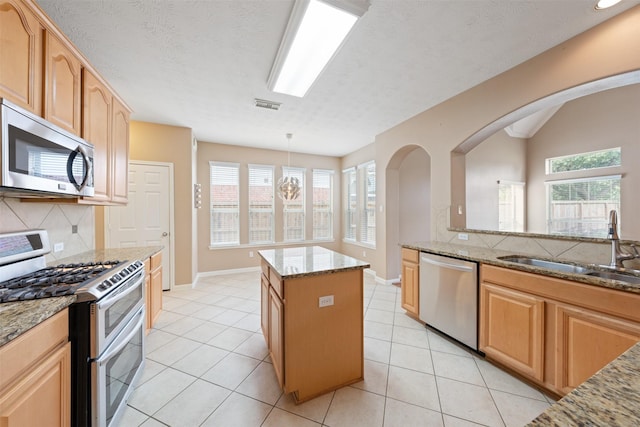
39,159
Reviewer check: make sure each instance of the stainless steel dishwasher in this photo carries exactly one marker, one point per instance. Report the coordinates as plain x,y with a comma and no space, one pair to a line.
449,297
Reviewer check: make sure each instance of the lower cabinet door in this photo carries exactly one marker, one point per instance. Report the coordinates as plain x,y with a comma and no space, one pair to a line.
586,342
276,334
512,329
43,396
264,308
410,287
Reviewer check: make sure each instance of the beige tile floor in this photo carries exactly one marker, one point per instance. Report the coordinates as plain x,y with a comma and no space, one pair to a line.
207,365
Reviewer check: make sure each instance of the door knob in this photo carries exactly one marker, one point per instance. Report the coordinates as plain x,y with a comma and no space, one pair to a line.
165,234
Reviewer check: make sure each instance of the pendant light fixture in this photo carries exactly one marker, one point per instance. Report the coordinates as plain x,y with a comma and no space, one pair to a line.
288,186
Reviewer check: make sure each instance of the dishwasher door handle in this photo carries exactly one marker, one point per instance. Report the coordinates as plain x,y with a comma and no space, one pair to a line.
446,265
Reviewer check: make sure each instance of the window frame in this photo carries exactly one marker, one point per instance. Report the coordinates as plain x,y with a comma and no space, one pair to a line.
300,201
251,209
328,209
236,221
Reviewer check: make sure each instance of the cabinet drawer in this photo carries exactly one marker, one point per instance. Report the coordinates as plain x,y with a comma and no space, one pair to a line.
26,351
410,255
265,269
147,266
276,284
156,260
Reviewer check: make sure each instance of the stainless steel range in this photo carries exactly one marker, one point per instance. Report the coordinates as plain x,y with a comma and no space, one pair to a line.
106,324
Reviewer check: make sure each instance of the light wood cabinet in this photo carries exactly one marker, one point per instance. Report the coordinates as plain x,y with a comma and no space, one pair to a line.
276,326
410,286
96,128
313,349
587,341
20,56
62,96
153,288
35,379
41,71
556,332
513,330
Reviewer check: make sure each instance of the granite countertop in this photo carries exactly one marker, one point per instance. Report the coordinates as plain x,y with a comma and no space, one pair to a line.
609,398
309,261
124,254
18,317
491,256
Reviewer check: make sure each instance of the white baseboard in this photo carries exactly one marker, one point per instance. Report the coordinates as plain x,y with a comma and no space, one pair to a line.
224,272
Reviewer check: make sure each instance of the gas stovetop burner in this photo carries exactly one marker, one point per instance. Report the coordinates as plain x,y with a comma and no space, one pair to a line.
60,280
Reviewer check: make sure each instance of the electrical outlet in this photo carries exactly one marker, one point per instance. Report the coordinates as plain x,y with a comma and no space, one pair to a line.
463,236
325,301
250,254
58,247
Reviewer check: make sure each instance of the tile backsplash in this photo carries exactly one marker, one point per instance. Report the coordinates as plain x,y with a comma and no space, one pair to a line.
69,224
578,250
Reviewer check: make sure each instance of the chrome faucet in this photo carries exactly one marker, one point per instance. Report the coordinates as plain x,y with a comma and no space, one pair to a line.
617,254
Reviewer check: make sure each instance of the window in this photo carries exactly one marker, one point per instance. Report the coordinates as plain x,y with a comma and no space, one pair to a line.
351,203
322,204
368,221
581,206
294,209
225,203
261,210
585,161
510,206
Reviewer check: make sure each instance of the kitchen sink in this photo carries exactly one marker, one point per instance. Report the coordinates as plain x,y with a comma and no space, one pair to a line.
615,276
551,265
571,268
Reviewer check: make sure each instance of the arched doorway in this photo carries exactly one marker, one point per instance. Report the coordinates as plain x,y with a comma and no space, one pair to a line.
408,201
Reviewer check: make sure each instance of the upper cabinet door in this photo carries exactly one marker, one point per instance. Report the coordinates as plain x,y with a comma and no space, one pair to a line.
62,85
120,154
96,128
20,56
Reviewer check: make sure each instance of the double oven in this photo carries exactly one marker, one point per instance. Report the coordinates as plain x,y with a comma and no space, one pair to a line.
106,323
107,348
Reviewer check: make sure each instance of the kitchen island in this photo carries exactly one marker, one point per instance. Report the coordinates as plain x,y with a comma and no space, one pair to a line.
312,318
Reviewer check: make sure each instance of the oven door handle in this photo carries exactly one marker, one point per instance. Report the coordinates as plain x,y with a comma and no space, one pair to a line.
123,342
118,295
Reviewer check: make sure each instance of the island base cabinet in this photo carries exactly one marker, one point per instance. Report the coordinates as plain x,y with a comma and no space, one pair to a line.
587,341
323,346
314,349
512,329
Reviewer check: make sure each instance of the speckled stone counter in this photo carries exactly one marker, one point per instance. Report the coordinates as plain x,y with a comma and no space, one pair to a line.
309,261
123,254
18,317
491,256
609,398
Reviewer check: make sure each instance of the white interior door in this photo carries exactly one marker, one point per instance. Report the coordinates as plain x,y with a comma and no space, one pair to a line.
147,219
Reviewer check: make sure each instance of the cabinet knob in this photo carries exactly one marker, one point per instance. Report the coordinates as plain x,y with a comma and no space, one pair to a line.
165,234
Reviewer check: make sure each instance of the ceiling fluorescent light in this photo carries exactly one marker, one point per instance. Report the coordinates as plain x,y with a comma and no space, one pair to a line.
604,4
315,32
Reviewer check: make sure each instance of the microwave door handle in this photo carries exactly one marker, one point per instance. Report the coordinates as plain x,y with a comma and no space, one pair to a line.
87,168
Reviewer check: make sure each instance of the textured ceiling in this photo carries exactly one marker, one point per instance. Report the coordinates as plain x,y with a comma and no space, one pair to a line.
200,64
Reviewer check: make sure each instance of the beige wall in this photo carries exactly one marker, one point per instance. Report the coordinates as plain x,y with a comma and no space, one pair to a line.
603,120
162,143
608,49
499,157
238,257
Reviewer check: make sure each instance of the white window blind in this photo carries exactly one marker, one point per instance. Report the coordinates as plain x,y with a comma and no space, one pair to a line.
350,203
322,204
261,207
581,206
225,203
368,218
510,206
294,211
